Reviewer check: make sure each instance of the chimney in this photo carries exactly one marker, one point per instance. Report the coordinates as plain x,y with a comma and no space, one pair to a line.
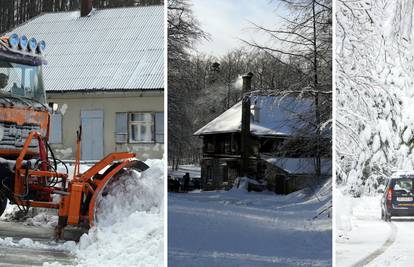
247,82
86,7
245,124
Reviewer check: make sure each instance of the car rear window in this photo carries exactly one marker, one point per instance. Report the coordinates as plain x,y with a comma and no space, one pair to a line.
403,184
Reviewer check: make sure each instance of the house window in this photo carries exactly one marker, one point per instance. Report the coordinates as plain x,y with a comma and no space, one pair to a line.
55,134
159,127
140,127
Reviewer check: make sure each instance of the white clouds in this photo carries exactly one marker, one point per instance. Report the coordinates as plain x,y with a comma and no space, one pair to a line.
228,21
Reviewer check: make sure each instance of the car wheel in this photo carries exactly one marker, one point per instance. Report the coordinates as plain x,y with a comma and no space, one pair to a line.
387,218
3,204
382,214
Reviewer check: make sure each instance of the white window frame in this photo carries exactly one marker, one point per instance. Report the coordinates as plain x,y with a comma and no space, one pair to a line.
150,125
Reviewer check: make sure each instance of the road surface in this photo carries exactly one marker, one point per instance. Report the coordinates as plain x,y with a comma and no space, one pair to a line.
225,229
28,256
400,252
369,241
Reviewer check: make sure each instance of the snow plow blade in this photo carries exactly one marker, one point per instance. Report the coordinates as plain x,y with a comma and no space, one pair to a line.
138,165
109,178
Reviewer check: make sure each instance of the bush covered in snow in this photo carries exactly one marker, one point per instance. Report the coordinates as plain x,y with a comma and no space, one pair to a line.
375,111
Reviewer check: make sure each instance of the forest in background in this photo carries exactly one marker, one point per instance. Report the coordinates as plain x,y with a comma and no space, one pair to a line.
15,12
201,87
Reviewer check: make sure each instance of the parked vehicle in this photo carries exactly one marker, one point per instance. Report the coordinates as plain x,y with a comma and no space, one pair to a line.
398,197
174,184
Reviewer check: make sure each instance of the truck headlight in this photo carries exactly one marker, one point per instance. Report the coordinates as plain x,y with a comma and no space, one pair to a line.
32,44
23,42
14,40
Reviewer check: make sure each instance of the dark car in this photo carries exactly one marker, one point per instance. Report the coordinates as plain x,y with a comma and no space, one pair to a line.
398,198
173,184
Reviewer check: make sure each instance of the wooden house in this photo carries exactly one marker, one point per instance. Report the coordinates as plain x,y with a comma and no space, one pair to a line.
276,124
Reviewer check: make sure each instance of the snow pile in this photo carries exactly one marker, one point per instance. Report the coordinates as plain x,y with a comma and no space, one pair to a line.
375,114
44,219
242,183
10,209
129,231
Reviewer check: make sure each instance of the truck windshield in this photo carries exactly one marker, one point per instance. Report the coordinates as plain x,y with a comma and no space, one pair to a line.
22,80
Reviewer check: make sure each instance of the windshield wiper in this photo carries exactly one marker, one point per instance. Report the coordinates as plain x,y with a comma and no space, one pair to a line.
34,100
9,95
6,99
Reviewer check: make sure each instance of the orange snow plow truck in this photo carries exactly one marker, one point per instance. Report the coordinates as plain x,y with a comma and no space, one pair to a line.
30,175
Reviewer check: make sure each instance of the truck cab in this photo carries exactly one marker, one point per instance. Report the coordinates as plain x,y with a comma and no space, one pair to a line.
23,105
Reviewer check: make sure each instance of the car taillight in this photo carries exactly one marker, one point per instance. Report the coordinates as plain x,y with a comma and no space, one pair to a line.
389,194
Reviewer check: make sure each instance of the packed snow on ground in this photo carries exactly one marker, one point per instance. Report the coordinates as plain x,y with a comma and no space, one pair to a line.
360,233
237,228
359,228
129,230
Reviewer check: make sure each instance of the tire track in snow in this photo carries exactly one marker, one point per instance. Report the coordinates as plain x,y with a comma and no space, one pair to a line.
368,259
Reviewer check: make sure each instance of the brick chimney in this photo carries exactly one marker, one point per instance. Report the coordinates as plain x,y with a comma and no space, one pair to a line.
245,124
86,7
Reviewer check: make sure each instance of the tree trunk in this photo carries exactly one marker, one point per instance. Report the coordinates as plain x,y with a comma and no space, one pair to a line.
316,85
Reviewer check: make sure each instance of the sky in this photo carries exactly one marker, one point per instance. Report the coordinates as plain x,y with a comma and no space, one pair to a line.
227,21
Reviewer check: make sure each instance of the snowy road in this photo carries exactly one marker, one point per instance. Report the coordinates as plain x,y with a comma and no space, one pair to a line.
247,229
365,240
400,253
21,252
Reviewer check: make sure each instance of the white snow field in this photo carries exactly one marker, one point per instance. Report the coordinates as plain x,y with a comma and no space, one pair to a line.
363,239
237,228
129,230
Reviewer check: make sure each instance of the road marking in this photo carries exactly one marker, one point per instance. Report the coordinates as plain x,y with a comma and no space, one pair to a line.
391,239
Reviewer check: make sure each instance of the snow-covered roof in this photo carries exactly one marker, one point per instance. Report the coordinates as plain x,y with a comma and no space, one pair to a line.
299,165
270,115
116,49
402,174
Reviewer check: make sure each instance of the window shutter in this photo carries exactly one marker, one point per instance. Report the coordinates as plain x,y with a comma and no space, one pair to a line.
121,127
55,135
159,127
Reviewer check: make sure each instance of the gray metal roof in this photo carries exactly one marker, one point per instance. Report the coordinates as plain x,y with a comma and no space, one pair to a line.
111,49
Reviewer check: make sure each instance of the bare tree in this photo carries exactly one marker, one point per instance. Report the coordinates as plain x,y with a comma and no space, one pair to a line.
305,36
183,31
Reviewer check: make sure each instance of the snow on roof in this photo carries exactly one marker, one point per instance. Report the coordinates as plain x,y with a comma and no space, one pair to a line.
119,48
270,115
402,173
299,165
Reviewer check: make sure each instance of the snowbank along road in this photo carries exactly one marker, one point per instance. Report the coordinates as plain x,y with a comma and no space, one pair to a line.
237,228
363,239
